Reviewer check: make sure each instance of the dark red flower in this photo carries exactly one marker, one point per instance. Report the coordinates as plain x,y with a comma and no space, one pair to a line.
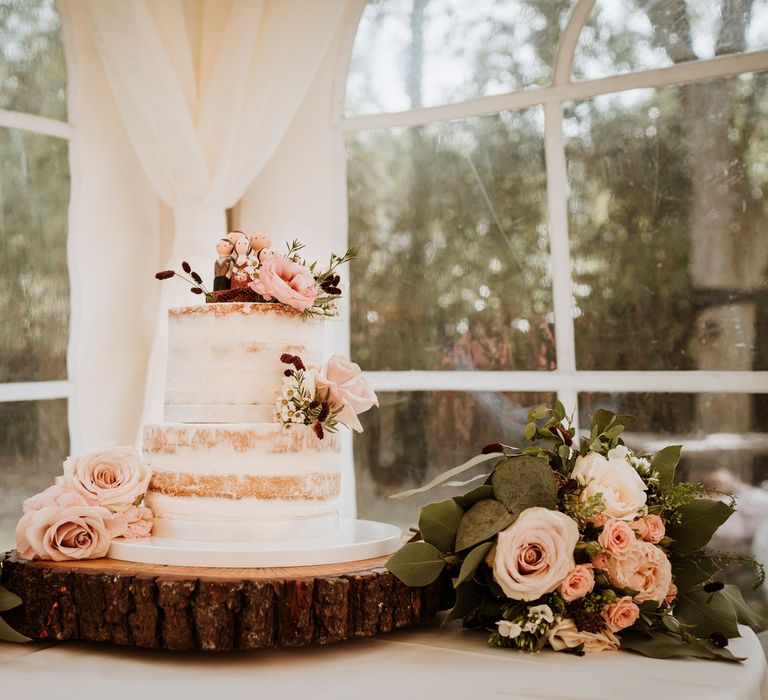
492,447
719,639
196,290
197,277
318,428
298,364
286,358
186,267
325,409
165,274
288,373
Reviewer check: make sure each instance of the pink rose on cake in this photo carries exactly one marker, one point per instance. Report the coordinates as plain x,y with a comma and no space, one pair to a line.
138,522
73,532
115,476
58,495
534,554
286,281
346,389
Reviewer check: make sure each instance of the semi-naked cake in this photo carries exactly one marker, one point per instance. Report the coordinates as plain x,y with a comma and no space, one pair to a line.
224,467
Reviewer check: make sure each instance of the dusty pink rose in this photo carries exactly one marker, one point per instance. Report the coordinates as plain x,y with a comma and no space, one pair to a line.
599,520
116,477
346,388
74,532
600,561
621,614
565,635
58,495
650,528
645,569
671,594
138,522
579,581
617,537
534,554
286,281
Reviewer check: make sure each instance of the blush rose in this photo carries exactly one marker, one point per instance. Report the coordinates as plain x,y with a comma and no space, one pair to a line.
644,569
621,614
621,488
650,528
286,281
138,522
116,477
565,635
533,555
617,537
579,581
58,495
347,389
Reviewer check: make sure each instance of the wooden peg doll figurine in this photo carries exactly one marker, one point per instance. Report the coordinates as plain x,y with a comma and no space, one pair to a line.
235,235
259,241
263,254
222,268
241,268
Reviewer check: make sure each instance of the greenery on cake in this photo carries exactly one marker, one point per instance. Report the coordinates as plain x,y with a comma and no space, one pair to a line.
582,545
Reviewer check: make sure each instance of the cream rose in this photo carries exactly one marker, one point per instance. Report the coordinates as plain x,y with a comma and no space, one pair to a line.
347,388
75,532
622,489
579,581
534,554
116,477
565,635
138,522
58,495
645,569
621,614
617,538
650,528
286,281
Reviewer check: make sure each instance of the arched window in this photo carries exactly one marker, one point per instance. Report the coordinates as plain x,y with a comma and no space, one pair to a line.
34,284
559,198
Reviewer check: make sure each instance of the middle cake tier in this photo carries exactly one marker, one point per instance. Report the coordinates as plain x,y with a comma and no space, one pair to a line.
242,481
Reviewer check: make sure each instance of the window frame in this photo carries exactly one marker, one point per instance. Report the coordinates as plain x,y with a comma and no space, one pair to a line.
566,379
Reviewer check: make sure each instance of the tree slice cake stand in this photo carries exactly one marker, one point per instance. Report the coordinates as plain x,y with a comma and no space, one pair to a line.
214,608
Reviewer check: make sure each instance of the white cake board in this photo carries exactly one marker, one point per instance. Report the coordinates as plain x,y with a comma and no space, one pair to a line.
354,540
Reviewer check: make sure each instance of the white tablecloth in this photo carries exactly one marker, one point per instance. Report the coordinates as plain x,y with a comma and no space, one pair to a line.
422,663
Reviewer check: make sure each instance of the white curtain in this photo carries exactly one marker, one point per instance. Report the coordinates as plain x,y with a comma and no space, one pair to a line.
206,90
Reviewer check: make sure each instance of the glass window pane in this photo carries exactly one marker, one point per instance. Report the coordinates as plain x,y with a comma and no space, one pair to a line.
411,53
414,436
725,444
450,224
668,214
623,36
33,75
34,282
34,442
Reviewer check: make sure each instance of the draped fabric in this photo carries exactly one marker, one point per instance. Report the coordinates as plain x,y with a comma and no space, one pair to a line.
206,89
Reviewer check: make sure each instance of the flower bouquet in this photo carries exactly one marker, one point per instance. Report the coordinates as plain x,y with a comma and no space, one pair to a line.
582,547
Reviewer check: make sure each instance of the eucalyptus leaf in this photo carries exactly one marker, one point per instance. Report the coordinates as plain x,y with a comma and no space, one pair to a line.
438,523
529,432
416,564
744,614
450,474
481,493
614,432
704,613
626,420
524,482
538,413
8,600
472,561
468,599
602,419
689,572
698,522
481,522
664,462
665,646
8,634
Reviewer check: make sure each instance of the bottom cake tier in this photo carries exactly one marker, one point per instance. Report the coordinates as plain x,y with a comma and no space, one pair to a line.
241,481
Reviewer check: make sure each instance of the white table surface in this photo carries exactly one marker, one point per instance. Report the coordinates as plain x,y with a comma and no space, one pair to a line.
420,663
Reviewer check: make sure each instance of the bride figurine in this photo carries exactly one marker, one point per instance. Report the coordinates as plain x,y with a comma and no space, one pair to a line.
241,269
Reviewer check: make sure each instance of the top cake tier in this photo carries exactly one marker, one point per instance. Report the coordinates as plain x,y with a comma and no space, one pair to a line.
224,359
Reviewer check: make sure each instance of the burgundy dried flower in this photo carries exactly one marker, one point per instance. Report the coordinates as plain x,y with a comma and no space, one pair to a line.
165,274
298,364
325,409
196,277
492,447
713,586
336,279
586,621
719,639
288,373
313,404
286,359
333,290
571,486
567,439
318,428
196,290
186,267
560,479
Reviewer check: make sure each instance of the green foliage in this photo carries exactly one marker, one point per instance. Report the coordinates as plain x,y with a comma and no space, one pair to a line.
697,522
523,482
481,522
703,614
438,523
416,564
664,463
472,561
658,645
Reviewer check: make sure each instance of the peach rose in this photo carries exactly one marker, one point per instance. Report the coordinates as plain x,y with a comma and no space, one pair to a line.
650,528
599,520
671,594
600,561
621,614
286,281
58,495
645,569
534,554
579,581
116,477
138,522
617,538
565,635
622,489
74,532
347,388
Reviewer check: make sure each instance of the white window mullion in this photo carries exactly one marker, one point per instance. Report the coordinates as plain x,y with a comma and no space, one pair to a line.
35,124
35,391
